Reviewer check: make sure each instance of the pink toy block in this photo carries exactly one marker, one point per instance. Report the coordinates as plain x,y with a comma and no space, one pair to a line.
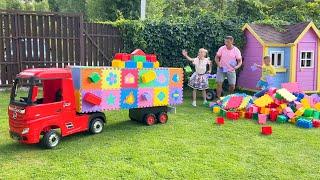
262,118
290,115
272,91
253,109
291,87
287,110
234,102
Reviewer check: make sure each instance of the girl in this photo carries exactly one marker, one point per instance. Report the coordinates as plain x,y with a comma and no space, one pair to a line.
198,80
267,70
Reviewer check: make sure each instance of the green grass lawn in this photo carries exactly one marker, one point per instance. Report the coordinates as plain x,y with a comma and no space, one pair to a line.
189,146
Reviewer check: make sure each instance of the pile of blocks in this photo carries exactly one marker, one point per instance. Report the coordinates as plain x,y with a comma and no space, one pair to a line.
276,105
112,88
137,59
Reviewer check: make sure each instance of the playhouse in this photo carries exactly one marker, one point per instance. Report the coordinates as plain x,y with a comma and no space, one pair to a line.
294,51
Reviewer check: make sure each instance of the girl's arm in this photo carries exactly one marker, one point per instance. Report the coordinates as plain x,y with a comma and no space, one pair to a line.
185,54
210,66
257,65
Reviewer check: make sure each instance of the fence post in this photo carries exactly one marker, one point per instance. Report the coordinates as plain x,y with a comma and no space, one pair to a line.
81,39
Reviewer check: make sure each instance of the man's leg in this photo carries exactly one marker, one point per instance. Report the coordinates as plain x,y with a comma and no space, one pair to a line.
219,80
232,78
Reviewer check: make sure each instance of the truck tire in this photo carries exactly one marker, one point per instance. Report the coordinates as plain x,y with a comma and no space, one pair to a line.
150,119
50,139
162,117
96,125
211,94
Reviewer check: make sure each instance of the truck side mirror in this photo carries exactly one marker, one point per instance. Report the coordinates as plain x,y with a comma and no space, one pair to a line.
34,93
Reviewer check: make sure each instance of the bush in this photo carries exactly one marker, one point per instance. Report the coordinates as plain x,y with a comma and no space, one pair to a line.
168,37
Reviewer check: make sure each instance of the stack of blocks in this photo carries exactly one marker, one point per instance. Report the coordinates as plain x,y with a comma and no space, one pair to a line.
111,88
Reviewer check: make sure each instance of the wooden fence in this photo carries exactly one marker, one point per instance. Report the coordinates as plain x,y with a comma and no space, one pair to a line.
37,39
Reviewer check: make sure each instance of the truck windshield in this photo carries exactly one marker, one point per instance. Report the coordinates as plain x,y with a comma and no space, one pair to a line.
21,91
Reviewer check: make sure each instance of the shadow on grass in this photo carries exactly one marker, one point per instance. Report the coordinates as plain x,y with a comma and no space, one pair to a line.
14,147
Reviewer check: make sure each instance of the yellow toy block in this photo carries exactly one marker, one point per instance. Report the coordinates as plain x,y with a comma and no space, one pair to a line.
139,65
300,111
78,98
317,106
118,63
148,77
305,103
293,120
263,101
241,113
156,64
244,103
265,110
279,109
283,106
216,109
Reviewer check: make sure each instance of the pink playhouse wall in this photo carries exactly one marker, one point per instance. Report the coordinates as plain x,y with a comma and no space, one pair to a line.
252,53
307,77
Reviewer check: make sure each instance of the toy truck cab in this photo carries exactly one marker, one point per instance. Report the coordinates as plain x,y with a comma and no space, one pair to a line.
49,113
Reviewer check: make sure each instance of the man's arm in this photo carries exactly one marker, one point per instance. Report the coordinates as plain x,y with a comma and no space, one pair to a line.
239,63
217,60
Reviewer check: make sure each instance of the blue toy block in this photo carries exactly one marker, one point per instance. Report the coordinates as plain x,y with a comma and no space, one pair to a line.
131,64
299,96
304,123
261,93
148,65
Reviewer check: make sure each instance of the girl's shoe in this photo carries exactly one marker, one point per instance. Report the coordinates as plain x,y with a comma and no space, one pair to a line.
194,103
205,102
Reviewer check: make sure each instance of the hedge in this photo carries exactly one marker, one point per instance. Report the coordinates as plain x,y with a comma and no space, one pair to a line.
167,38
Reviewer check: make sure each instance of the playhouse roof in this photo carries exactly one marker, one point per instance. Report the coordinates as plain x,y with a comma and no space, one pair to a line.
289,34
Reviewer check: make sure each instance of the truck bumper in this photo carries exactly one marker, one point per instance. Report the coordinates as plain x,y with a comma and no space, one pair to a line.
29,138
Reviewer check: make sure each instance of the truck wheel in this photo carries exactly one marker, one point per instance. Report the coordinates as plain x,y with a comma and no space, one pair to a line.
50,139
162,118
96,125
211,94
150,119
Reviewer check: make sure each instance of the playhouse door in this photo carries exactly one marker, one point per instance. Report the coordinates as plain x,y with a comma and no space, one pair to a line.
306,66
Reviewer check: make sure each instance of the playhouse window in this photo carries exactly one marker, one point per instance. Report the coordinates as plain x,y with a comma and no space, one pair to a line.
306,59
277,58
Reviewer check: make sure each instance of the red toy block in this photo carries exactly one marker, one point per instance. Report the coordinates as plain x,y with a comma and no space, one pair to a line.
316,123
273,114
232,115
92,99
248,115
138,52
122,56
266,130
220,120
151,58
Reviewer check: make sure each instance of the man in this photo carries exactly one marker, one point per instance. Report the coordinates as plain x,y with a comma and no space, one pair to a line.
228,59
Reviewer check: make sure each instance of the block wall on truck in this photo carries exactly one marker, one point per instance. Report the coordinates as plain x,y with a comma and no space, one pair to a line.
110,88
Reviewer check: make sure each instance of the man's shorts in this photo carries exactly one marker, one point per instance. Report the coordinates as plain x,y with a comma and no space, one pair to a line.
231,76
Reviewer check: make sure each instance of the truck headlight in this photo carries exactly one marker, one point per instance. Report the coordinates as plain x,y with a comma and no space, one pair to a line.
25,131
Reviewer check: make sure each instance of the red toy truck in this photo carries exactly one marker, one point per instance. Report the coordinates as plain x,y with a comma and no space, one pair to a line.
51,113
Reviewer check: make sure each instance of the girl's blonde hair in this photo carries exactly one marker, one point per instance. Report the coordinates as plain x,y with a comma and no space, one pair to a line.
204,50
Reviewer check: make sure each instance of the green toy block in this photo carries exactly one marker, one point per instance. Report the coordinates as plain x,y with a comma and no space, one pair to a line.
278,96
282,119
223,113
308,112
212,83
137,58
316,115
255,116
94,77
294,109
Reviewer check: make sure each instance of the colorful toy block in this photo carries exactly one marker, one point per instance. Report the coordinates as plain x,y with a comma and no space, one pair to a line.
291,115
88,75
139,65
317,106
286,95
292,87
305,102
282,119
265,110
316,115
219,120
261,93
234,102
138,52
266,130
223,113
272,91
94,77
300,112
216,109
255,116
273,115
92,99
122,56
232,115
263,101
308,112
138,58
147,65
304,123
292,120
287,110
248,115
253,109
145,97
118,63
156,64
262,118
316,123
244,103
151,57
148,77
131,64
